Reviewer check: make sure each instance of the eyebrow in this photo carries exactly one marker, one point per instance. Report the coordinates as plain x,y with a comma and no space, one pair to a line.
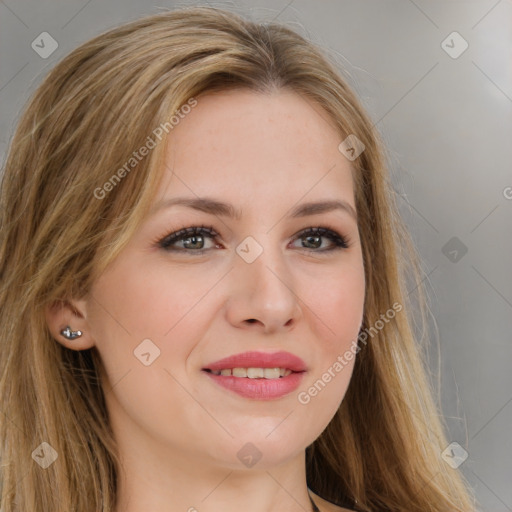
219,208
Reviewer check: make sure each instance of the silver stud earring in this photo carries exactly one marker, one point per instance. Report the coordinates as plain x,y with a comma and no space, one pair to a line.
69,334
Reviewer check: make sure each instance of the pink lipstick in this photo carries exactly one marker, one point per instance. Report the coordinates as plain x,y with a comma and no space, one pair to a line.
258,375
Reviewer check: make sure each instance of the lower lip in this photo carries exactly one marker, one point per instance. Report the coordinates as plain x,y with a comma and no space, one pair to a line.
259,389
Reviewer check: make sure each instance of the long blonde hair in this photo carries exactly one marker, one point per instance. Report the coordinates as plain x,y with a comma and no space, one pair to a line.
98,105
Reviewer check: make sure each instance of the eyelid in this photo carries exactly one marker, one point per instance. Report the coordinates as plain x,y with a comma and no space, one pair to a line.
188,229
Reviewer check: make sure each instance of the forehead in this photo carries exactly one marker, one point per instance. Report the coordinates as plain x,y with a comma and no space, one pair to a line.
247,146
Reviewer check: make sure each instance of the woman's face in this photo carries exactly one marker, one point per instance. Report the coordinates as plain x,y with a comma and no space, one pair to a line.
160,316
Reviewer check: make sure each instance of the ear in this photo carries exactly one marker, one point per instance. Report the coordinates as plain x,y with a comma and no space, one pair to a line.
60,314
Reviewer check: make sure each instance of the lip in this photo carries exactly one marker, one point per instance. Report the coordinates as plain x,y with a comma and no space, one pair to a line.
259,389
256,359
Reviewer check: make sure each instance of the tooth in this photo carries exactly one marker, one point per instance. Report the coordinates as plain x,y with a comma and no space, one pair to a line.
255,373
239,372
271,373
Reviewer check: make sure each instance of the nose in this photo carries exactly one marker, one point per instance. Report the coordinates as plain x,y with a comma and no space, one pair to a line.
263,295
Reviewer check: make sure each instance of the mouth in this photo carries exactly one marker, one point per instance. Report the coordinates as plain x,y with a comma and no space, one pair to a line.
253,373
257,365
257,375
256,383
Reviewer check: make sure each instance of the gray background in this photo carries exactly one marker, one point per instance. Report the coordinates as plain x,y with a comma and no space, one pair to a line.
447,123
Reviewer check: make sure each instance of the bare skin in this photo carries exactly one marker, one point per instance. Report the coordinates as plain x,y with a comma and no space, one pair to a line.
178,431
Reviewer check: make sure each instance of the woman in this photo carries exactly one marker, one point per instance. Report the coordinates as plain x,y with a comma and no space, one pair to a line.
203,295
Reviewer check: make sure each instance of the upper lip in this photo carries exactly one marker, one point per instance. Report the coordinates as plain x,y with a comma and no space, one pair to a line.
259,360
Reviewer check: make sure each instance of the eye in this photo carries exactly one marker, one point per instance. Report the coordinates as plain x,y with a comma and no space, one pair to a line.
313,237
193,239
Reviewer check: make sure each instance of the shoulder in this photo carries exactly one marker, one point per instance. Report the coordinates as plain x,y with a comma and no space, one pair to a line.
327,506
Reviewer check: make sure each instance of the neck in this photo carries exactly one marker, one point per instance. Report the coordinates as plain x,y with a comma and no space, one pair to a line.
180,482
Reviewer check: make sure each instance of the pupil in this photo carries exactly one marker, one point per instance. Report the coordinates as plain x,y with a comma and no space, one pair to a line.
313,238
194,238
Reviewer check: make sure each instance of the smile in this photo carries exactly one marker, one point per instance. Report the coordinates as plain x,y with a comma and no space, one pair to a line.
257,387
254,373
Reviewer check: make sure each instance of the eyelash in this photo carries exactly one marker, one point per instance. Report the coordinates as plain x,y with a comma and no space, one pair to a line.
340,241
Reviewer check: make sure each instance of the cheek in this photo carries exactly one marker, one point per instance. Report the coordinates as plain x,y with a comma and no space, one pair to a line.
335,305
145,323
336,312
150,304
132,307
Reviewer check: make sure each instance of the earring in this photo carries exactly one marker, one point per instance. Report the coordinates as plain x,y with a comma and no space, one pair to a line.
69,334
